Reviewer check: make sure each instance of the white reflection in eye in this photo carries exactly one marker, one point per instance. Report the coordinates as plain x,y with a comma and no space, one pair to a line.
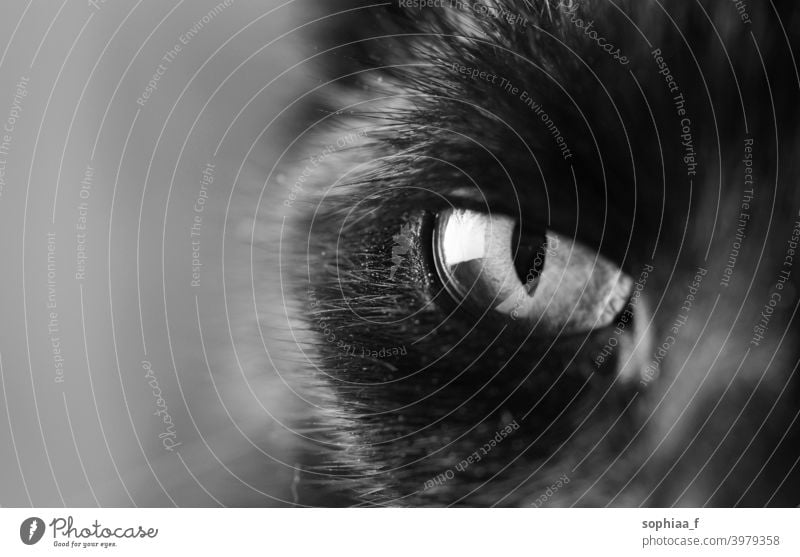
564,287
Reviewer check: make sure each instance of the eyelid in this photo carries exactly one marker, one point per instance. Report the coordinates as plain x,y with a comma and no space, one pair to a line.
576,291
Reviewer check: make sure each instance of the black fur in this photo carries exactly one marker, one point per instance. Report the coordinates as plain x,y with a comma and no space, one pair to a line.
434,136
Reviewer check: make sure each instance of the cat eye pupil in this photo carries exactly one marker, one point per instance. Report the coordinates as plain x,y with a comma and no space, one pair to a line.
530,251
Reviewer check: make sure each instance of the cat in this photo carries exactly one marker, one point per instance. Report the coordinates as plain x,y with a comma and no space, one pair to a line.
680,123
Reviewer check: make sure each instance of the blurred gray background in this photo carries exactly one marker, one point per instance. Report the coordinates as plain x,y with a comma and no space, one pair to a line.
127,379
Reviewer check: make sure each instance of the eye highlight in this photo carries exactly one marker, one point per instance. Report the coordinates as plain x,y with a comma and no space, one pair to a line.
550,283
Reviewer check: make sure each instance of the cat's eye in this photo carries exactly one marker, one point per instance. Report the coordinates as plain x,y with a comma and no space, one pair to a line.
546,283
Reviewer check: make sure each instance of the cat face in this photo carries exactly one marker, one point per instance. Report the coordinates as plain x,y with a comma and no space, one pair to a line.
639,360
